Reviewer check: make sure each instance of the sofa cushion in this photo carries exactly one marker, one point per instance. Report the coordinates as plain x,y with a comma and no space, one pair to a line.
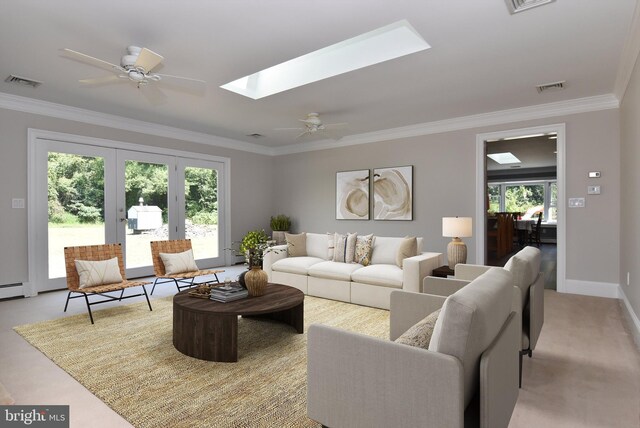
296,244
345,247
419,335
469,321
408,248
334,270
317,245
383,275
525,267
385,250
364,248
299,265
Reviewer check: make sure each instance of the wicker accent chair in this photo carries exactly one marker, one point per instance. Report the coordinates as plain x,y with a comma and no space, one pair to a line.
175,246
94,253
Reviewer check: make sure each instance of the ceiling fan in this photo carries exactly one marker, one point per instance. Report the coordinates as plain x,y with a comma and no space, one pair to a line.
313,125
137,67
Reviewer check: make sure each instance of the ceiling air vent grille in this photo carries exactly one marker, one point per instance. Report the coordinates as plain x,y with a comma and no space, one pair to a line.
23,81
516,6
551,86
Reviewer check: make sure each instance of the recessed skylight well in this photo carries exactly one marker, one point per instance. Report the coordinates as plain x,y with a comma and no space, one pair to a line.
504,158
380,45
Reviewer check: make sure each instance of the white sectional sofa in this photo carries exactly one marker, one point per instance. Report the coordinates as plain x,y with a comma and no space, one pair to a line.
370,285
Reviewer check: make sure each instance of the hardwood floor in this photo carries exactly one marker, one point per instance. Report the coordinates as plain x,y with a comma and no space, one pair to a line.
548,264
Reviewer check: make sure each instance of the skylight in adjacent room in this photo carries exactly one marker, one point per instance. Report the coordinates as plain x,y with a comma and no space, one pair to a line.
504,158
380,45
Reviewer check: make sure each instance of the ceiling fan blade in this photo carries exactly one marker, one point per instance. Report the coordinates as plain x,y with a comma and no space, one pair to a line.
153,94
148,60
335,125
79,56
102,80
288,129
194,86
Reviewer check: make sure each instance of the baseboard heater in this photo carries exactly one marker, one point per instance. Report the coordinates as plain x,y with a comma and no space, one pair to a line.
11,290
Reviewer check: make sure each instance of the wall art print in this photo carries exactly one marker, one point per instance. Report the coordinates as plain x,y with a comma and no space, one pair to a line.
393,193
352,195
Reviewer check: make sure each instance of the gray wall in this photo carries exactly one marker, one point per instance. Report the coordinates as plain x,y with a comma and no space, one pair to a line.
630,180
251,202
444,185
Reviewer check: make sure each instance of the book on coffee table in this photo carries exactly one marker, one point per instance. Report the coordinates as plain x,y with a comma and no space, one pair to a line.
228,293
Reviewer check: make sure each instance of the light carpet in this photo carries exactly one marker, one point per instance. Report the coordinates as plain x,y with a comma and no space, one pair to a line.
127,359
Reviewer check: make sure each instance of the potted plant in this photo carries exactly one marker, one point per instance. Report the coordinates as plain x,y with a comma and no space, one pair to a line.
279,225
253,245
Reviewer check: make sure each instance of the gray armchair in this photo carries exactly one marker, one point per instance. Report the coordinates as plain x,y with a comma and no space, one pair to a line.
527,278
467,377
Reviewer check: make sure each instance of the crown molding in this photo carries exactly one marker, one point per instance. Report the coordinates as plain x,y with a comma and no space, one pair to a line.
541,111
629,56
61,111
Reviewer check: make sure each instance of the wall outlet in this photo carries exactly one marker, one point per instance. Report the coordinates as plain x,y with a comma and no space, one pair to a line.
593,190
17,203
576,202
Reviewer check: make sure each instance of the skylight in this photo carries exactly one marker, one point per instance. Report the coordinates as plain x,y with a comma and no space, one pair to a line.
380,45
504,158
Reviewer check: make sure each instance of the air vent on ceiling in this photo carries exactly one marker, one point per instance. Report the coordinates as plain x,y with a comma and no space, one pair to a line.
22,81
550,86
255,135
516,6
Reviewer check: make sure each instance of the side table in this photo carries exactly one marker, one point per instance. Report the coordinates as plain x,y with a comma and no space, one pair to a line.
442,272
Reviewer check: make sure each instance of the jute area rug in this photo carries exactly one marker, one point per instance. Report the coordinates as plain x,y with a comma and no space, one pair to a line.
127,359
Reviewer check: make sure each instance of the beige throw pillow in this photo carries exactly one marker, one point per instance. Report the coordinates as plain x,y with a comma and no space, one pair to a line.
364,248
345,247
408,248
419,335
98,272
296,244
175,263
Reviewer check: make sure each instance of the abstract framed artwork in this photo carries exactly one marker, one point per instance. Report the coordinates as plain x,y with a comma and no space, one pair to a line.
352,195
393,193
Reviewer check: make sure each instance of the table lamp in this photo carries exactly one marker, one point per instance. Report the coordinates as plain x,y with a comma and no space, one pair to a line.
456,228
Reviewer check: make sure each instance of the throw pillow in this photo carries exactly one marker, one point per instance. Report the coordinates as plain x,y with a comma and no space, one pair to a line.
175,263
408,248
332,245
296,244
98,272
345,247
419,335
364,248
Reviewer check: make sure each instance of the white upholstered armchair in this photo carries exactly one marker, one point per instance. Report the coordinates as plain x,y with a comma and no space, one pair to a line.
467,377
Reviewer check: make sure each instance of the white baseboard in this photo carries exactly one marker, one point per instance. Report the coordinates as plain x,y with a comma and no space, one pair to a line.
591,288
632,316
12,291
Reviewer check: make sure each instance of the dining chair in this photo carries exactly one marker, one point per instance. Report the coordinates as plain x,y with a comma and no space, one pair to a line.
534,235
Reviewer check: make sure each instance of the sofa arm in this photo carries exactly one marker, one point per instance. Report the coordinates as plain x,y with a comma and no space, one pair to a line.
355,380
469,272
414,269
408,308
442,286
272,255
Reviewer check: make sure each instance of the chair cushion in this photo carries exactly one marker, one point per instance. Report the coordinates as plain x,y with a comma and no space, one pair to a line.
175,263
296,244
364,248
525,267
469,321
299,265
419,335
345,247
383,275
333,270
317,245
98,272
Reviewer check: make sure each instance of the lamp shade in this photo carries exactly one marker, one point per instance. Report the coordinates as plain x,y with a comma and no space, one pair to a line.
457,227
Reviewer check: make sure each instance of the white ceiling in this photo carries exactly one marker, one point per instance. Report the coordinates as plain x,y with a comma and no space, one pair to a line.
482,59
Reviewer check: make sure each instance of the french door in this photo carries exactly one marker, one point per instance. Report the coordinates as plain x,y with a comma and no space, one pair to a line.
88,195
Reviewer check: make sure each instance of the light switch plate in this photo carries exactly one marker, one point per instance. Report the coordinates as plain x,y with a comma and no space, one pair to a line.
576,202
593,190
17,203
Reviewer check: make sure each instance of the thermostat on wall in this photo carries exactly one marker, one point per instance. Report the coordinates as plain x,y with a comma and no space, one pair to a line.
594,174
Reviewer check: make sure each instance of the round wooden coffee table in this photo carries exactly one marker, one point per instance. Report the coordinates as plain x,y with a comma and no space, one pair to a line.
208,330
